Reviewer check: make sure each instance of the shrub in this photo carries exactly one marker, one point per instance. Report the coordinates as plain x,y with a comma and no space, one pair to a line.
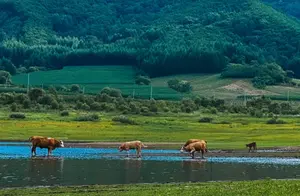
142,80
206,120
26,103
111,92
35,93
17,116
5,77
64,113
14,107
88,117
54,105
275,120
75,88
124,119
182,86
224,122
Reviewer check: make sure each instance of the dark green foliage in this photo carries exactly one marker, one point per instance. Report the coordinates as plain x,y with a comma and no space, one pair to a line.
111,92
206,120
88,117
35,93
5,77
75,88
17,116
142,80
269,74
14,107
64,113
7,65
182,86
275,120
239,71
161,37
124,119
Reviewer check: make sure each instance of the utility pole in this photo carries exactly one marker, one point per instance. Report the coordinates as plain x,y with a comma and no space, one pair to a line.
28,82
133,93
245,102
151,92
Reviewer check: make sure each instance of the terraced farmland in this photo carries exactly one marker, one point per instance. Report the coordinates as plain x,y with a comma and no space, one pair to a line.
95,78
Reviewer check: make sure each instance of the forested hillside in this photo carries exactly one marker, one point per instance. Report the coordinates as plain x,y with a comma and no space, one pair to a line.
162,37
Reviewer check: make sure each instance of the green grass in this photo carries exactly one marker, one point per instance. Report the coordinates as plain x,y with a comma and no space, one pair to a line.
94,78
171,128
251,188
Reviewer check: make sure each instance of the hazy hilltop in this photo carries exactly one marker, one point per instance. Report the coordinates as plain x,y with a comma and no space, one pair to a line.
162,37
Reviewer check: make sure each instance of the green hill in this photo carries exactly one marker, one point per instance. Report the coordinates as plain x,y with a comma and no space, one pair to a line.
162,37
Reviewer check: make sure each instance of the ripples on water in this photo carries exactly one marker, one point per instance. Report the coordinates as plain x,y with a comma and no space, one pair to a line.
77,166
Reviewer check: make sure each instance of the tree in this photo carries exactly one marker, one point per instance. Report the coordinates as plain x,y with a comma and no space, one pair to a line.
5,77
8,66
35,93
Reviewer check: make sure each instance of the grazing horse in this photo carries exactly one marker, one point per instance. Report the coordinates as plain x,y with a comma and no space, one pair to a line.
191,141
45,142
132,145
196,147
252,146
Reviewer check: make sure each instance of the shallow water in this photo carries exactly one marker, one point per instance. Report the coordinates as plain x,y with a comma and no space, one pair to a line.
77,166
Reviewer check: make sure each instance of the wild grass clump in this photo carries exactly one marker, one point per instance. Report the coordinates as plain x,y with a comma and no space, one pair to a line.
124,119
206,120
276,121
88,117
64,113
17,116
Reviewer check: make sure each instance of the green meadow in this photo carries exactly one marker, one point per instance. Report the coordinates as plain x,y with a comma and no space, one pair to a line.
94,78
245,188
227,131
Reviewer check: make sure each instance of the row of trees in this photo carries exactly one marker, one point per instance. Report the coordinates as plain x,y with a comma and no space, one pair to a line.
161,37
111,100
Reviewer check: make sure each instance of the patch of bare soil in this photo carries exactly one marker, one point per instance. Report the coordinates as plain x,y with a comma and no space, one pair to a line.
244,87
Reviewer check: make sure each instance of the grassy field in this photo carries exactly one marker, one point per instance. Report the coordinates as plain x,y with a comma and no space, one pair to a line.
94,78
171,128
252,188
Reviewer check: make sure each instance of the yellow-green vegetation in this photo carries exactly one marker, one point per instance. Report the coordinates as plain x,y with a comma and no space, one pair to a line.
251,188
226,131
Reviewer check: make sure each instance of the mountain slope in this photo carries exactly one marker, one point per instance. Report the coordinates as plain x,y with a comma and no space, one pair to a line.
162,37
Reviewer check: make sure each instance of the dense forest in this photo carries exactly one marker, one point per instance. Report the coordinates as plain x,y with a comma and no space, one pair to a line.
190,36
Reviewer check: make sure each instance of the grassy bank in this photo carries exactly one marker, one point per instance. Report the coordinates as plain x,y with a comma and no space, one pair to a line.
225,131
253,188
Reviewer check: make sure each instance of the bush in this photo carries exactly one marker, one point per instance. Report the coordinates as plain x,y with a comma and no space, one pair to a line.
14,107
206,120
17,116
124,119
182,86
75,88
35,93
88,117
111,92
142,80
276,121
64,113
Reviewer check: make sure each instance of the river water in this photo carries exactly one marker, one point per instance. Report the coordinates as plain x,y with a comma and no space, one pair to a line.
84,166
